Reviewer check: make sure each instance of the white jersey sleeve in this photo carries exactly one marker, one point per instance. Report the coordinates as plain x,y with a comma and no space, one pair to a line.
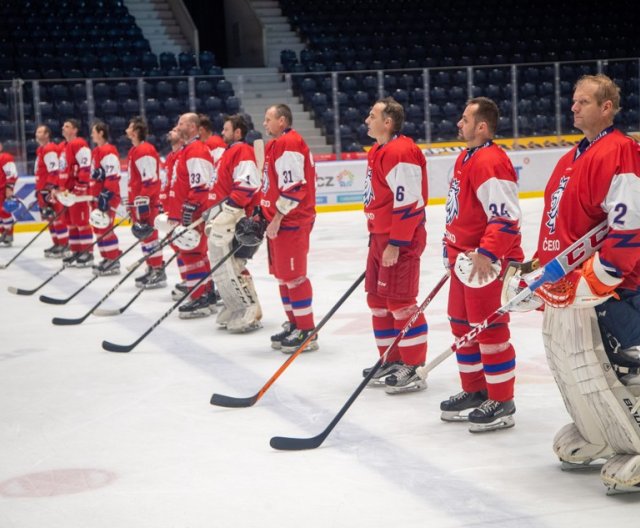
10,170
83,157
246,174
405,181
499,199
111,165
148,168
290,169
622,203
200,172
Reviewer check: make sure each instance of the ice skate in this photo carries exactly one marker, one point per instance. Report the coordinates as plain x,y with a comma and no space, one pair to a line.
196,308
458,407
492,415
6,240
276,339
294,340
385,369
107,267
404,379
179,290
156,278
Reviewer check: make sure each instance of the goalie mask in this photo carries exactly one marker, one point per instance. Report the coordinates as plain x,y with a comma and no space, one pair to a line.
187,240
463,267
99,219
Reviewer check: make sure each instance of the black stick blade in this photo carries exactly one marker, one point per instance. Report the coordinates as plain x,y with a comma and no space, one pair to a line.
61,321
100,312
19,291
284,443
112,347
3,266
51,300
229,401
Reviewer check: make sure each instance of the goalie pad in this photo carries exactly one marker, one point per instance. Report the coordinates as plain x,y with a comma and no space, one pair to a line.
186,239
514,281
99,219
600,405
222,227
236,289
621,474
463,266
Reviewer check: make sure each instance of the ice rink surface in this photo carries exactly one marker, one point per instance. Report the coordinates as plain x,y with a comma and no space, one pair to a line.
92,439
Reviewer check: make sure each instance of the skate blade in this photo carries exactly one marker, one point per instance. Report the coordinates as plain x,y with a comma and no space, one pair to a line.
505,422
244,330
454,416
193,315
581,466
376,383
414,387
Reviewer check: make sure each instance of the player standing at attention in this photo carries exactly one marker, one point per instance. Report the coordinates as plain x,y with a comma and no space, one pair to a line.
190,194
47,170
597,180
482,234
235,187
8,177
75,175
288,202
143,195
105,186
395,195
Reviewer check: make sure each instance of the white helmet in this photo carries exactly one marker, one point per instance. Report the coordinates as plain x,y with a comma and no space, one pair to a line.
463,266
99,219
163,224
187,240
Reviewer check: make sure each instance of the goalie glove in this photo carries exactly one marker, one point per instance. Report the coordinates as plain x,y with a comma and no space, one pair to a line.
514,281
222,228
589,286
189,210
250,231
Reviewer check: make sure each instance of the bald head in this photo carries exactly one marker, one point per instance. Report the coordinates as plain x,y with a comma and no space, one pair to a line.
188,125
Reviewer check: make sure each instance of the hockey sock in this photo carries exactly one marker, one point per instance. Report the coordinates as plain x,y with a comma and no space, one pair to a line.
85,238
197,266
413,346
499,362
470,368
286,302
301,297
149,246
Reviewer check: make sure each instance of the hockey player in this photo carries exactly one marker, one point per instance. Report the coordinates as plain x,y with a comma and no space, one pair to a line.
235,187
105,187
143,195
214,142
193,177
287,200
596,180
8,177
482,233
75,175
395,197
47,169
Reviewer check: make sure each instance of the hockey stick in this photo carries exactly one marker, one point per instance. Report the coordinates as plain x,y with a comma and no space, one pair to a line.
52,300
61,321
4,266
295,444
112,347
20,291
106,313
554,270
229,401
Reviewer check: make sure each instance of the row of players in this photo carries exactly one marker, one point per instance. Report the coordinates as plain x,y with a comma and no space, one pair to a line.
593,354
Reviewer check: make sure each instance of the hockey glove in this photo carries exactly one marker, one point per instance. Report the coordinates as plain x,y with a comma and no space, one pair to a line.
47,212
103,200
588,286
514,281
189,210
141,230
99,174
141,210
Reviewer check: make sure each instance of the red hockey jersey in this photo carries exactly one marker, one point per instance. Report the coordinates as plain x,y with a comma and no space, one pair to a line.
106,157
289,171
482,209
169,169
395,189
47,166
143,165
8,171
193,177
237,177
602,182
75,163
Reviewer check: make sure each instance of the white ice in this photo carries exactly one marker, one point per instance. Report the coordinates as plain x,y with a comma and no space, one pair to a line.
95,439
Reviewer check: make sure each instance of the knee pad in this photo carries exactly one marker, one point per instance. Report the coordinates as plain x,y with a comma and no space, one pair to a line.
402,313
493,348
291,284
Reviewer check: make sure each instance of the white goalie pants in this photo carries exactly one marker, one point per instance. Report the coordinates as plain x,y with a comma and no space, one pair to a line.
242,311
605,422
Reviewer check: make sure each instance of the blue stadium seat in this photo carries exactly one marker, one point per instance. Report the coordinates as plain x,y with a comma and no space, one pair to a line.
65,108
212,104
204,88
46,109
131,106
152,107
164,89
224,88
109,107
232,104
